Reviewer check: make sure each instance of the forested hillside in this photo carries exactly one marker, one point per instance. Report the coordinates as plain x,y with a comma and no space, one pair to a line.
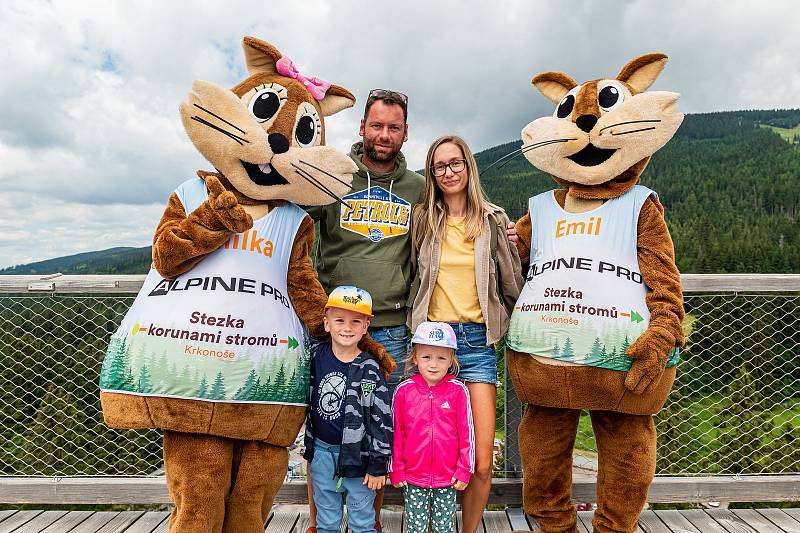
122,260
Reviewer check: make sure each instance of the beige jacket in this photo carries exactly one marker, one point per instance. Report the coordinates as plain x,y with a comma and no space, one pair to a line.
425,258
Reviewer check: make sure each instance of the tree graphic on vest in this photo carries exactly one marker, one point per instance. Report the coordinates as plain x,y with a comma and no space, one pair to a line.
567,350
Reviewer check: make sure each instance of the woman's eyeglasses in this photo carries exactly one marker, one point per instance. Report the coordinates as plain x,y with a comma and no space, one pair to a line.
440,169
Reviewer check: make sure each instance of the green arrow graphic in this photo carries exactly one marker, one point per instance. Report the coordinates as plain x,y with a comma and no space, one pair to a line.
294,344
636,317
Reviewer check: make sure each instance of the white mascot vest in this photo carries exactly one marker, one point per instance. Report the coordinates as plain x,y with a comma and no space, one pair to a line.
584,297
225,330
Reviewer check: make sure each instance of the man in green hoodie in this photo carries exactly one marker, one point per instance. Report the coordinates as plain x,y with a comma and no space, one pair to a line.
368,243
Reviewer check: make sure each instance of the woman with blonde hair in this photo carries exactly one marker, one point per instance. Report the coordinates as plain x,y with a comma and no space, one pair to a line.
469,275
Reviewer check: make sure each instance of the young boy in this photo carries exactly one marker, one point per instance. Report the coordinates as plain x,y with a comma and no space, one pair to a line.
349,426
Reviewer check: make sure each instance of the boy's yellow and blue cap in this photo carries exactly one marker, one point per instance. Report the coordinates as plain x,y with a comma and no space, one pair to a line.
352,299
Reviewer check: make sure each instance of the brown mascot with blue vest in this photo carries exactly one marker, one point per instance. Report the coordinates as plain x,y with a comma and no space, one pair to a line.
598,323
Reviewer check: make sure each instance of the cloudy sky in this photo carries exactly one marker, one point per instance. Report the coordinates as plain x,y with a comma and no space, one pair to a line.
91,144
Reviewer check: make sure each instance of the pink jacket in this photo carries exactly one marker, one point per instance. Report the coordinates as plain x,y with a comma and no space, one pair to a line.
434,439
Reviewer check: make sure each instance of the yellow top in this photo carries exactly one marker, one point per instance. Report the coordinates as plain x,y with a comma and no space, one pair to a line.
455,296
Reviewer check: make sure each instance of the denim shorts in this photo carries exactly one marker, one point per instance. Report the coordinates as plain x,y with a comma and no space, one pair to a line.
478,362
396,341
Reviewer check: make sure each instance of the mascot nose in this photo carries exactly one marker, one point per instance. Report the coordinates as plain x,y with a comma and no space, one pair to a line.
279,144
584,122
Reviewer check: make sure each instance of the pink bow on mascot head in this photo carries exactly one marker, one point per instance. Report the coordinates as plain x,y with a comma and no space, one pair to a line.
315,86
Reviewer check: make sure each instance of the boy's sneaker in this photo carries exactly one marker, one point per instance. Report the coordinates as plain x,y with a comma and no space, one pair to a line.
311,529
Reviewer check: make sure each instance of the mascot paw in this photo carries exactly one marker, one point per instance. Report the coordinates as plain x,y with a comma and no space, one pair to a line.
226,207
368,345
650,353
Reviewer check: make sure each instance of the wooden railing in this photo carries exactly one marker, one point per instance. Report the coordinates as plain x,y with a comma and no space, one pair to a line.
104,490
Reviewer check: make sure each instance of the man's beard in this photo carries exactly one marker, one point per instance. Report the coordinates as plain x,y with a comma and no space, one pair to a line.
375,156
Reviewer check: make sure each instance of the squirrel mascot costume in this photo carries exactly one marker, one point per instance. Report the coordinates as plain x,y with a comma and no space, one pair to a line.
598,323
214,349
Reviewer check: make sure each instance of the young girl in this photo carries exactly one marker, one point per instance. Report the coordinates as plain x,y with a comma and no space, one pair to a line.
434,441
468,276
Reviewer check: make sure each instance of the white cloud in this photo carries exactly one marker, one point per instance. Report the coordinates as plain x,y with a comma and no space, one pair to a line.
91,142
44,226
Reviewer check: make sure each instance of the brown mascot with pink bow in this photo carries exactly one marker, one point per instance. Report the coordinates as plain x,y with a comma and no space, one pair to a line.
214,350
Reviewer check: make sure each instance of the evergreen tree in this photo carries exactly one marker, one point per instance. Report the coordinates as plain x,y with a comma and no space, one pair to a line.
116,365
249,388
202,389
278,388
263,390
129,383
145,386
218,389
612,357
55,439
292,388
678,450
567,350
741,427
597,350
625,344
763,356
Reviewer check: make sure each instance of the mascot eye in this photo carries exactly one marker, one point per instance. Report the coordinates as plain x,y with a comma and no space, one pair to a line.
610,97
265,104
565,107
306,130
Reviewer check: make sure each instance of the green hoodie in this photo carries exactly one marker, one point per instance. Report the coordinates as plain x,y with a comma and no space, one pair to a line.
371,252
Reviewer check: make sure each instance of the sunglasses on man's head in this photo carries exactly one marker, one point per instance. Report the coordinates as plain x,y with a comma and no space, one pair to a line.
380,94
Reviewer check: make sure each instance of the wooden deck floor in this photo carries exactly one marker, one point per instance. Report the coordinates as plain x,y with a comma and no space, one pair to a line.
692,521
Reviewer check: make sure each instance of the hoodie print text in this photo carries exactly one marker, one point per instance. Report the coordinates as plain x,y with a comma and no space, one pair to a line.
375,213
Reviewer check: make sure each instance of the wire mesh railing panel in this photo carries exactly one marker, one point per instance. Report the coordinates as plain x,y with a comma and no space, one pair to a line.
735,406
51,349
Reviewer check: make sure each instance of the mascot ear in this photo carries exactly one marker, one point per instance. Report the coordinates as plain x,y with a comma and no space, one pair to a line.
553,85
259,56
336,99
641,72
